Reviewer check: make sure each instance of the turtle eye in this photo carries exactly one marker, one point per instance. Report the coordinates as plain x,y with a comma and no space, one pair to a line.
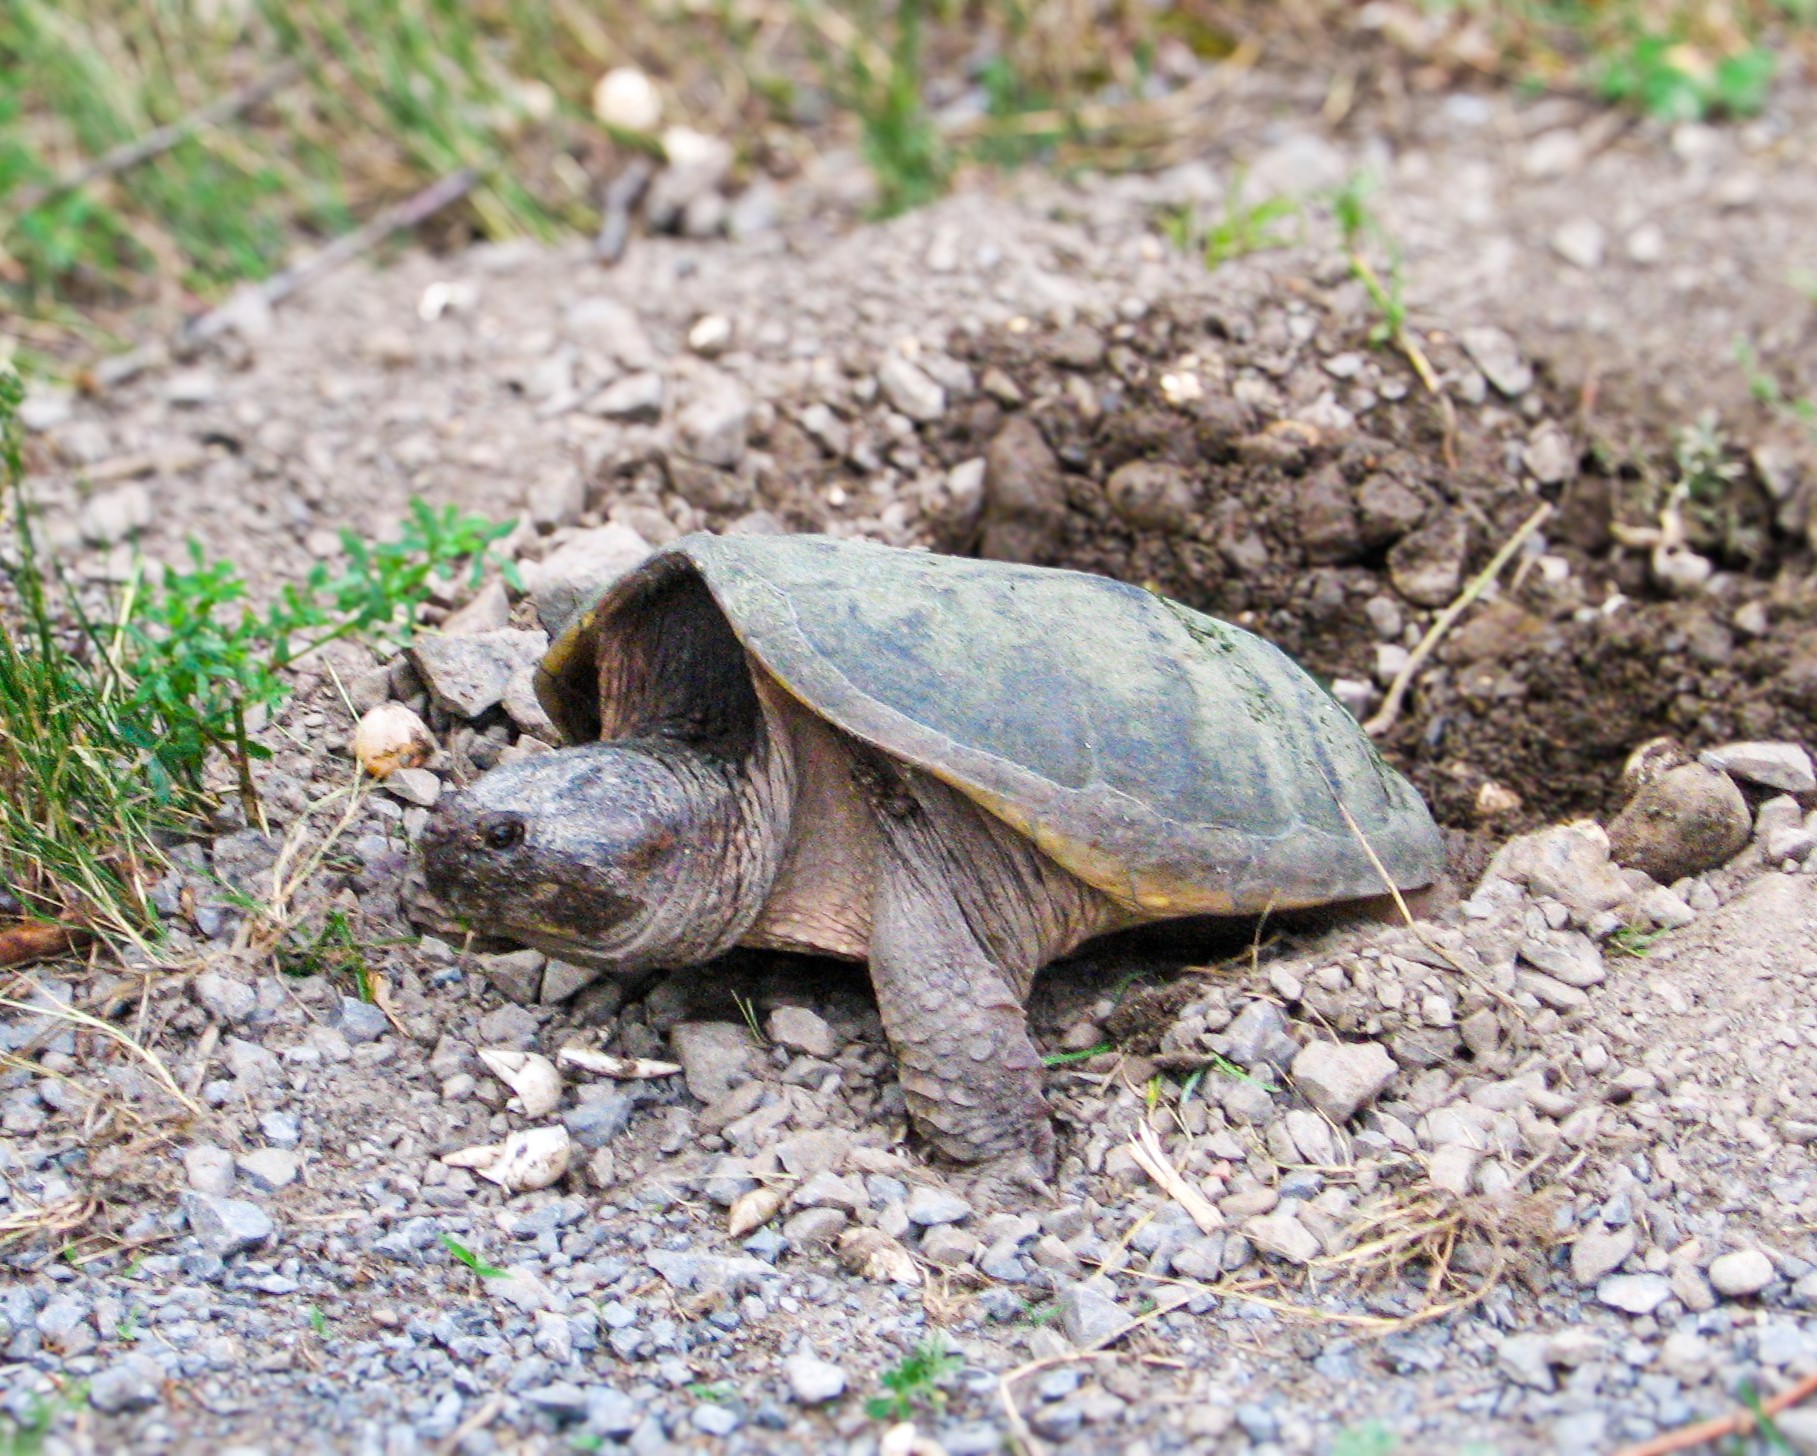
503,833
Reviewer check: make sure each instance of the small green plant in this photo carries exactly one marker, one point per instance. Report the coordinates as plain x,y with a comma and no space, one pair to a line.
1241,228
1765,1427
107,721
716,1393
915,1382
318,1321
1357,223
23,1434
79,824
747,1008
1224,1067
200,662
128,1328
472,1260
1635,941
1067,1059
1370,1439
882,86
332,950
1770,390
1666,77
1704,468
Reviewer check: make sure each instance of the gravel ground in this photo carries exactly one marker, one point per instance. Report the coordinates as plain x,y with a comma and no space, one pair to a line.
1604,1128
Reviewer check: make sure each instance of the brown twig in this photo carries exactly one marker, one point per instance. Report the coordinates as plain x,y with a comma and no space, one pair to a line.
406,214
1386,716
487,1413
31,940
1740,1423
143,148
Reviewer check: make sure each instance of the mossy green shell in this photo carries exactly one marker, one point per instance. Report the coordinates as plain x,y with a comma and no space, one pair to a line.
1177,763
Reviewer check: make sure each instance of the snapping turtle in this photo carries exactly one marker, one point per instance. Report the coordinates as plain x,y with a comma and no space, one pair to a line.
955,770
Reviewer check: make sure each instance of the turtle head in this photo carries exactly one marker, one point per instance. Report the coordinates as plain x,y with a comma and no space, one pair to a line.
603,854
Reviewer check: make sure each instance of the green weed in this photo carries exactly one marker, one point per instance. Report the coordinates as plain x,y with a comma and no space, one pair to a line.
23,1434
1770,390
318,1322
79,818
1667,78
1067,1059
915,1382
716,1393
472,1260
1634,941
333,950
883,89
1241,228
107,722
1370,1439
200,662
1765,1427
1358,224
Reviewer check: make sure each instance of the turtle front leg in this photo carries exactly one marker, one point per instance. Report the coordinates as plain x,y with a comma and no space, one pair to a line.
968,1070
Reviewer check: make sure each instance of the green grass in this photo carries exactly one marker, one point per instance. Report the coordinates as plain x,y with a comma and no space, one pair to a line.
392,94
1634,941
1240,228
915,1382
1678,60
333,950
472,1260
108,720
1067,1059
1359,225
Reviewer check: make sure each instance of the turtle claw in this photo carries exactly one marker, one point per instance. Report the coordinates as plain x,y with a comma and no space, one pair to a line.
1008,1182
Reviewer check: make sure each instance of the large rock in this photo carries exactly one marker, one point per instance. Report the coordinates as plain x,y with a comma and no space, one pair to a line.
1568,863
1772,765
133,1383
909,389
1339,1077
1687,820
715,1056
1024,501
813,1381
713,426
1152,495
1089,1317
1427,567
578,571
467,675
227,1226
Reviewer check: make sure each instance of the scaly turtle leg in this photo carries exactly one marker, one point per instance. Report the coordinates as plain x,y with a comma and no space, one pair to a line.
953,1010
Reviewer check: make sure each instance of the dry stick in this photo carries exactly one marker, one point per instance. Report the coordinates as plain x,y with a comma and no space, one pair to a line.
1741,1423
478,1421
113,1033
1019,1431
142,149
1390,710
344,249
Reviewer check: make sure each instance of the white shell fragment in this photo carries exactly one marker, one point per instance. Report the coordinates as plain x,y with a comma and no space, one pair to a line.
623,1069
526,1160
874,1255
626,98
531,1076
391,737
752,1210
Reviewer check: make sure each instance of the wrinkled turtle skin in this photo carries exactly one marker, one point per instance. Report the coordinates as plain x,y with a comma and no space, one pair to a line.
954,769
